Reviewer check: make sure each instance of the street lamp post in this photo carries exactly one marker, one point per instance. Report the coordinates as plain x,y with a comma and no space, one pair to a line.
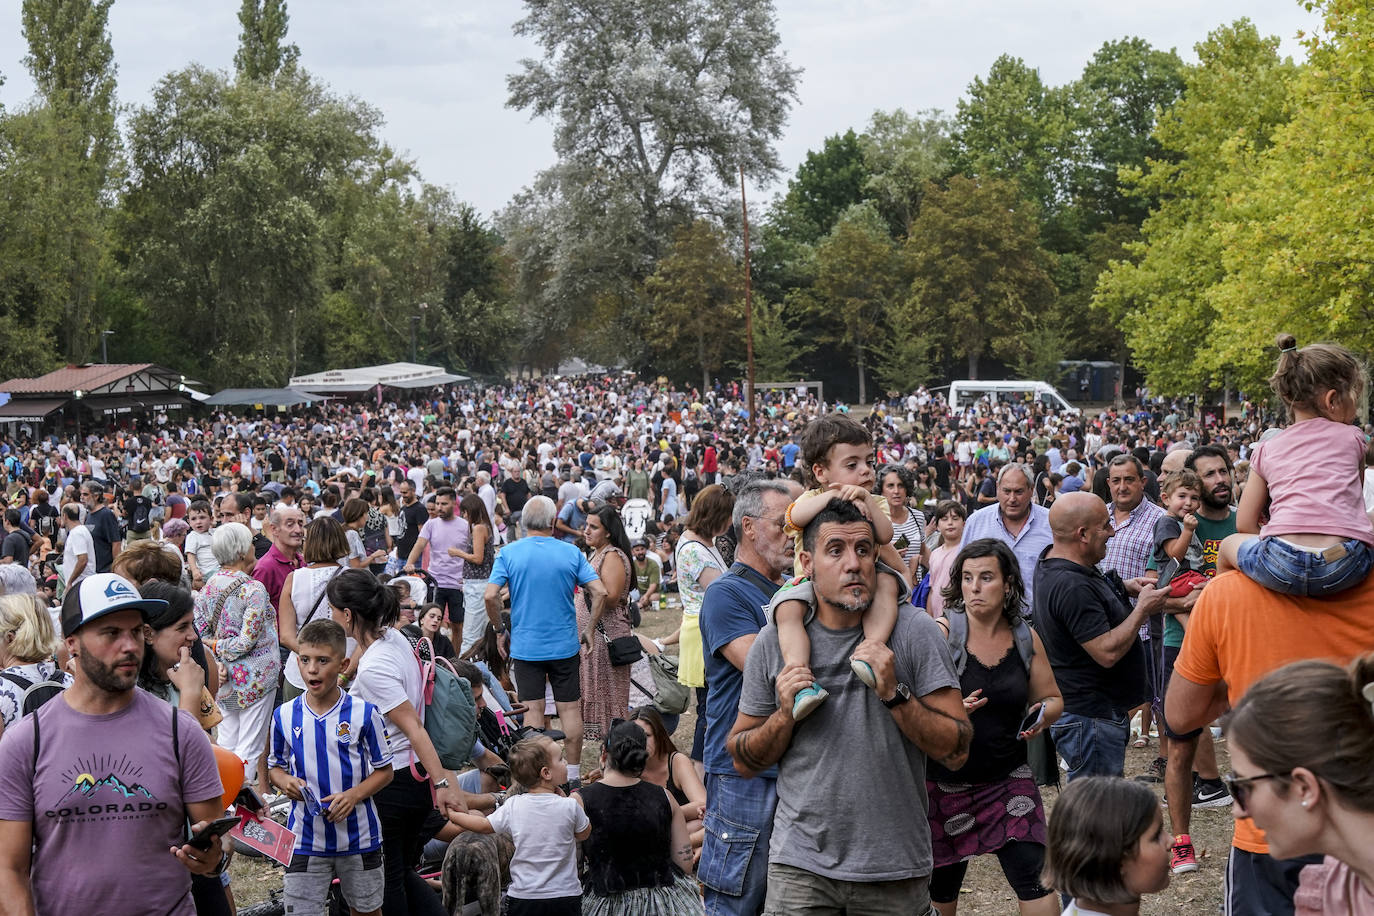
104,355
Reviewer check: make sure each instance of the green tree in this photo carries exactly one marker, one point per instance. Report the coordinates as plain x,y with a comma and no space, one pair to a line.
1012,126
72,146
828,182
858,278
224,223
1299,244
475,294
979,275
1123,89
778,343
903,153
656,105
1161,296
262,53
698,291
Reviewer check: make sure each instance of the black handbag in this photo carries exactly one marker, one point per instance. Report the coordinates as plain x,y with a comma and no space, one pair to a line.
623,650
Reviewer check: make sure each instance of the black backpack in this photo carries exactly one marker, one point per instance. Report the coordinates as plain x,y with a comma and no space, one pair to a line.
35,693
139,521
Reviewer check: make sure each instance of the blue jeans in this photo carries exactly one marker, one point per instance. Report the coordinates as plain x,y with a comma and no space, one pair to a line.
734,854
1282,567
1092,747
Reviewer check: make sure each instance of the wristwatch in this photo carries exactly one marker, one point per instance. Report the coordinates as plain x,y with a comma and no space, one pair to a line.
899,696
442,783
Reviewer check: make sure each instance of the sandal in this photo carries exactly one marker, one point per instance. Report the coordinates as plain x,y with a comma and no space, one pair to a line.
1142,741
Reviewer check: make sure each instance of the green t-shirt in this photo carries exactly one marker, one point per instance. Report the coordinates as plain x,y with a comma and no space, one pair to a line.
1211,533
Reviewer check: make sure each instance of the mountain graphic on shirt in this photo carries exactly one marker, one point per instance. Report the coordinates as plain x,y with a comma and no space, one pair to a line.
88,785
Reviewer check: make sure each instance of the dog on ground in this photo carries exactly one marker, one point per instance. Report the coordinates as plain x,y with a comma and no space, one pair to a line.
476,868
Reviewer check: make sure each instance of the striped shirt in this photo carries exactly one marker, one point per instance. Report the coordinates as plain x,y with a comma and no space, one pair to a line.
1128,550
333,752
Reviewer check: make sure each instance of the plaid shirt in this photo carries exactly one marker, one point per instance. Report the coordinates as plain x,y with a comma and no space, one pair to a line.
1128,551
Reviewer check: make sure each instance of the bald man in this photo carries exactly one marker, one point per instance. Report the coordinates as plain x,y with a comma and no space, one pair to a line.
1091,636
1175,460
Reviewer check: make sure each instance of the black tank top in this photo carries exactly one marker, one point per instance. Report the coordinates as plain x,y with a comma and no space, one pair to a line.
995,750
630,845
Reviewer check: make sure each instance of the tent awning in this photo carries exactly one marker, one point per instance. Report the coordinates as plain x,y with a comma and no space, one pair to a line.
29,410
278,397
394,375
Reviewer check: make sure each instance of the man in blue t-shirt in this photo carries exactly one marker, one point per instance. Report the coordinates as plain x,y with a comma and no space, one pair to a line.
541,573
740,811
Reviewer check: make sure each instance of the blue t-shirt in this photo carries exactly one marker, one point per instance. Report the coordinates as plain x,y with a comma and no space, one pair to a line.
734,606
541,573
789,454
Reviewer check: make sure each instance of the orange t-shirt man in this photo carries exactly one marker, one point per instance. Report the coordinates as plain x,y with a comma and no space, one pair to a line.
1240,631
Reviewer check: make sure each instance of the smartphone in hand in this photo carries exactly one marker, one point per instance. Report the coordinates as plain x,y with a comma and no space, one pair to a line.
206,837
1032,719
1167,573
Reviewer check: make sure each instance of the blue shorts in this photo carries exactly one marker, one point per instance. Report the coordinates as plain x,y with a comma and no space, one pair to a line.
1283,567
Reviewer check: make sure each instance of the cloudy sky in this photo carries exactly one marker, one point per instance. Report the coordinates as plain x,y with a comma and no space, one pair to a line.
437,69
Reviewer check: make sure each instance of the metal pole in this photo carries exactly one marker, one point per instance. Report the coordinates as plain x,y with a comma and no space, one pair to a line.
748,304
413,319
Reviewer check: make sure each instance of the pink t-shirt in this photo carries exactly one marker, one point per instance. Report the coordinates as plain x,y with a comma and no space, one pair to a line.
108,803
441,535
941,560
1312,470
1331,887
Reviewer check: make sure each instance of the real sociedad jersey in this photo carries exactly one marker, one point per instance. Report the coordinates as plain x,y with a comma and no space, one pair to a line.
333,752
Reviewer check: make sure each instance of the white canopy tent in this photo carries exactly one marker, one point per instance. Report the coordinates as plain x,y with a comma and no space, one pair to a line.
391,375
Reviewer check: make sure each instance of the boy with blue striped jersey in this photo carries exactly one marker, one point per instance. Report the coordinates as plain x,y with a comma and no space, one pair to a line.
330,755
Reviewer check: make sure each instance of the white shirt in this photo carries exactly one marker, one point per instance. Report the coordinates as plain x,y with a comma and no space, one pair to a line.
542,827
79,544
389,675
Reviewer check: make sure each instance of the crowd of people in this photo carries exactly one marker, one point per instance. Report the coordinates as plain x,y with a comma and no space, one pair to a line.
976,599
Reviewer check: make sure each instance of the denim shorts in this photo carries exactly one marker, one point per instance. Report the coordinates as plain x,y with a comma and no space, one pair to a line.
1092,747
1283,567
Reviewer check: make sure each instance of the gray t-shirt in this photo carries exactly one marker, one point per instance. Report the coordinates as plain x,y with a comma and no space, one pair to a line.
847,807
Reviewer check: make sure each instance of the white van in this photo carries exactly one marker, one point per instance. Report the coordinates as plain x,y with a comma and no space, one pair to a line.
969,391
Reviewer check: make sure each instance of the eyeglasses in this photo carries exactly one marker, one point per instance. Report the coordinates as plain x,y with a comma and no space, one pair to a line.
781,523
1240,787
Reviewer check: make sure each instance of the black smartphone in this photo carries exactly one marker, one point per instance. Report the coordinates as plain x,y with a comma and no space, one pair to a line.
249,800
216,828
1167,573
1032,719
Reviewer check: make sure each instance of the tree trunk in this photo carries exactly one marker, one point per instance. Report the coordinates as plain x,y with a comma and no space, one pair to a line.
863,385
972,364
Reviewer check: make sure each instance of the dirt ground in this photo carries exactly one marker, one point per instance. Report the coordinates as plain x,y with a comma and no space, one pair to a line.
985,889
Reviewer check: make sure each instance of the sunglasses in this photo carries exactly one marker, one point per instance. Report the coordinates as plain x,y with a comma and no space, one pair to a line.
1240,787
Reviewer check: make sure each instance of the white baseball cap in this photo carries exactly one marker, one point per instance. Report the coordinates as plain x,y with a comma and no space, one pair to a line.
101,594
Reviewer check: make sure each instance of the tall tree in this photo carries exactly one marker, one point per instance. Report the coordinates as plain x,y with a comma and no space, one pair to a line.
656,104
858,278
1235,97
903,153
75,154
828,182
698,291
1012,126
979,275
262,52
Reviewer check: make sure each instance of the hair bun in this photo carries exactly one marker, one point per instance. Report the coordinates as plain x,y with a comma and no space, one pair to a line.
1286,342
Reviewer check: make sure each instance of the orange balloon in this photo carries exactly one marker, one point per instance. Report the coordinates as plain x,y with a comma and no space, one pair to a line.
230,773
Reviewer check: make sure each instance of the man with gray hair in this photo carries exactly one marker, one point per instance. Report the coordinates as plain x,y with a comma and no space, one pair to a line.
286,527
739,811
1015,521
543,643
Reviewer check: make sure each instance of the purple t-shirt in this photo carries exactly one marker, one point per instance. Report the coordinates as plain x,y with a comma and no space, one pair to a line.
456,532
110,804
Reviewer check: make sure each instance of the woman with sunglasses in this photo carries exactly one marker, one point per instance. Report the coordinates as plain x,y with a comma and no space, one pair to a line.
1302,760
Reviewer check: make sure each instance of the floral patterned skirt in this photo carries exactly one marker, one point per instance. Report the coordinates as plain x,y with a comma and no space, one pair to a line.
971,820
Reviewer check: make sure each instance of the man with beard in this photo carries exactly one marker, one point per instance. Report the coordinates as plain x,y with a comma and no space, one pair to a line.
445,534
1195,749
833,849
739,812
414,514
104,776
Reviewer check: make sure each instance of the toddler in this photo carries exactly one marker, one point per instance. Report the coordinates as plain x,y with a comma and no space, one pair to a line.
544,825
1175,535
1308,480
837,458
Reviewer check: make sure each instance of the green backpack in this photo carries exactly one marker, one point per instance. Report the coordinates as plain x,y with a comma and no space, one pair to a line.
450,710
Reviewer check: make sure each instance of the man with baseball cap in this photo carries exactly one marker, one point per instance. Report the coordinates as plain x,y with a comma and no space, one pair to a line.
104,777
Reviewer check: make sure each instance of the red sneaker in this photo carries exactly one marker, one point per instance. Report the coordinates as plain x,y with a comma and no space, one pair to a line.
1182,860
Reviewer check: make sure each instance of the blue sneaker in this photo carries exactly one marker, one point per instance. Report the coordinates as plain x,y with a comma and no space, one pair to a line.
806,701
864,672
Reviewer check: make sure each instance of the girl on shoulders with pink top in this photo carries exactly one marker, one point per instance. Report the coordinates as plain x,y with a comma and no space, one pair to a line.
1308,480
